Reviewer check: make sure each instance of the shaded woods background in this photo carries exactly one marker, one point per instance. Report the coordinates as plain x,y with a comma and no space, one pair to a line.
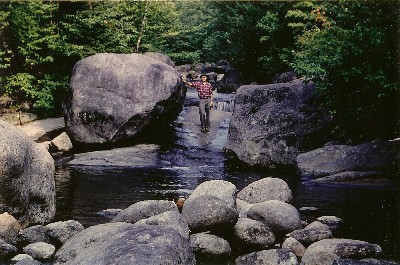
349,48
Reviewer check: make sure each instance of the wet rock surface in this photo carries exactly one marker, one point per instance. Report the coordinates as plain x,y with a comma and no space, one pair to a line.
125,243
333,159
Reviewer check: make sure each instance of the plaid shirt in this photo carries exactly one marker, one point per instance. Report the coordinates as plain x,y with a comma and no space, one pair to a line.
204,90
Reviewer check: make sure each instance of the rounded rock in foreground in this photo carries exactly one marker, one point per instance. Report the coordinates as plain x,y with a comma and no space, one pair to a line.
334,249
208,213
222,189
313,232
279,216
268,257
126,244
40,250
253,233
266,189
209,246
295,246
62,231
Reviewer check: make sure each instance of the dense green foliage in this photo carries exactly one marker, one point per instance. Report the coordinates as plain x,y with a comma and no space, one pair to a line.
348,48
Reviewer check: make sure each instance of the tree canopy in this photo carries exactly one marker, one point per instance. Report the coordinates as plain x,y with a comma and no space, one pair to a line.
348,48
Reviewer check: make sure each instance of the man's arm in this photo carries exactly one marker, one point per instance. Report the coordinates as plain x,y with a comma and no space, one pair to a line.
186,82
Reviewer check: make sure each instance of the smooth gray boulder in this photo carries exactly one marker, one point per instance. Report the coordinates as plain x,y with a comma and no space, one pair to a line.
333,159
208,213
40,250
20,257
253,233
7,250
27,188
268,257
62,231
210,246
335,249
113,97
170,219
126,244
222,189
143,210
279,216
272,123
266,189
160,57
313,232
294,246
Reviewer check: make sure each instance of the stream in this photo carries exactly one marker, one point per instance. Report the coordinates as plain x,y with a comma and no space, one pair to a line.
188,157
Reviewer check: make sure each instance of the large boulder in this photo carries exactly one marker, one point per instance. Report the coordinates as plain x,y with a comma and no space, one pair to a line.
27,188
160,57
333,159
170,219
334,249
266,189
272,123
113,97
279,216
126,244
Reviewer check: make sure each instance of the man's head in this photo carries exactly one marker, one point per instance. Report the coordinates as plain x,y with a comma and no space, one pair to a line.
203,78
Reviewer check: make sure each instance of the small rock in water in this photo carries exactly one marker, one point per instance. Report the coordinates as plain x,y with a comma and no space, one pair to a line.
332,222
109,212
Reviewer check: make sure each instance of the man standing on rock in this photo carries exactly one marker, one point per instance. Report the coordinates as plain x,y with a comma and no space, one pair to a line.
204,90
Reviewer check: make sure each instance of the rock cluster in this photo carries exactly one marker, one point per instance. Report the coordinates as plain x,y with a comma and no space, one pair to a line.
284,125
212,227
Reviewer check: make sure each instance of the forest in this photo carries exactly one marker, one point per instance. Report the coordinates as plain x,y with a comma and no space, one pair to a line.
349,49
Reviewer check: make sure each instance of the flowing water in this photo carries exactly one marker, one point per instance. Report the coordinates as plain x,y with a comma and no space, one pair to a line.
369,213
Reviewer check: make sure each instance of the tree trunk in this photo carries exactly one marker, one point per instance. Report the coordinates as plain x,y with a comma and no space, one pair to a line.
143,27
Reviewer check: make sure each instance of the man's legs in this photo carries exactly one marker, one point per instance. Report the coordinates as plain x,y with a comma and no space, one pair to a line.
207,114
202,106
204,111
